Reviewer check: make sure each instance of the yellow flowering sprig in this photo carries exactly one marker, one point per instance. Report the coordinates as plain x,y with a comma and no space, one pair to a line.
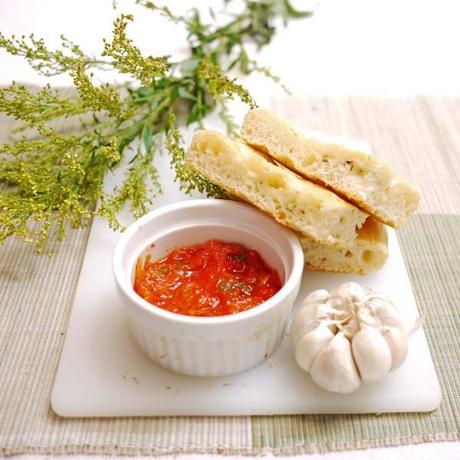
128,59
51,180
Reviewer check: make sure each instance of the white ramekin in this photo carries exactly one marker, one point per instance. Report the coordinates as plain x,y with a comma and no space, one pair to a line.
208,346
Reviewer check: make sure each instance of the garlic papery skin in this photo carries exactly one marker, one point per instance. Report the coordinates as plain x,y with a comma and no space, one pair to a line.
386,312
349,336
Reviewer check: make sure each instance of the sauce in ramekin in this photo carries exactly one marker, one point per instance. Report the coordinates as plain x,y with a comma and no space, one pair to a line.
214,278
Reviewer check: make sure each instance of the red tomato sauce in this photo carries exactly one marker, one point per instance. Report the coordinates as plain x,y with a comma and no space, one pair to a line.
210,279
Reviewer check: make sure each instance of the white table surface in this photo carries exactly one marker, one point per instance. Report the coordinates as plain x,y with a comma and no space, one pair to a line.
353,47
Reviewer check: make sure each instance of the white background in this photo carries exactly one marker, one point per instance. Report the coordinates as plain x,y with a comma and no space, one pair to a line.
378,47
349,47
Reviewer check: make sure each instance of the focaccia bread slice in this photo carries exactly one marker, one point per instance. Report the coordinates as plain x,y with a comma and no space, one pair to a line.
367,253
364,180
291,200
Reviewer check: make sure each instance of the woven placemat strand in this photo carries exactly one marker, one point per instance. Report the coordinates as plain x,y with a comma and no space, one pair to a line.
36,294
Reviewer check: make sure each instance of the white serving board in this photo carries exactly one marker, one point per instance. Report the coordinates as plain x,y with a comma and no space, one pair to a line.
102,372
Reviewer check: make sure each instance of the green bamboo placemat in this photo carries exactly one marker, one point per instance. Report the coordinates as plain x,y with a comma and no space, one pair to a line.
36,294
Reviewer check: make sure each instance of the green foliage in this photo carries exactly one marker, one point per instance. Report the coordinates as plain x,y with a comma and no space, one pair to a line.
102,98
51,180
37,107
44,60
189,179
220,86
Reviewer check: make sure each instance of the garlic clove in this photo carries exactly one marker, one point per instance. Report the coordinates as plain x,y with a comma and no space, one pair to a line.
351,289
371,353
318,296
334,369
350,336
310,345
304,321
398,345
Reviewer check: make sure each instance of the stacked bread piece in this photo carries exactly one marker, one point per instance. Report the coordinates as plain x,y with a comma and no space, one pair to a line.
334,197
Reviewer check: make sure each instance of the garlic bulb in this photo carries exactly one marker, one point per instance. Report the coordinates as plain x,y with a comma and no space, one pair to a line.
349,336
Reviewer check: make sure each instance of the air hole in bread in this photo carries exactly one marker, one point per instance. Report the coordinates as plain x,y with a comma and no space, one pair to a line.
308,160
202,146
348,254
275,181
356,169
368,256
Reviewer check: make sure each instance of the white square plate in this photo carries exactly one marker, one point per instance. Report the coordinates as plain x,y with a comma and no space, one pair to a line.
103,373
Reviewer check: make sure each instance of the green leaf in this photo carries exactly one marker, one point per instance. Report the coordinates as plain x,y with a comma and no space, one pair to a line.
189,66
131,133
186,94
291,12
212,14
233,63
244,62
193,116
143,92
133,159
148,138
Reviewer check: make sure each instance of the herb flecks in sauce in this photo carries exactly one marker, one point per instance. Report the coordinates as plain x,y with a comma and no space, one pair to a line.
211,279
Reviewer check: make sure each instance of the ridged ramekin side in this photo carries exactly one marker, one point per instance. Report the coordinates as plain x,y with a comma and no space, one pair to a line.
209,359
